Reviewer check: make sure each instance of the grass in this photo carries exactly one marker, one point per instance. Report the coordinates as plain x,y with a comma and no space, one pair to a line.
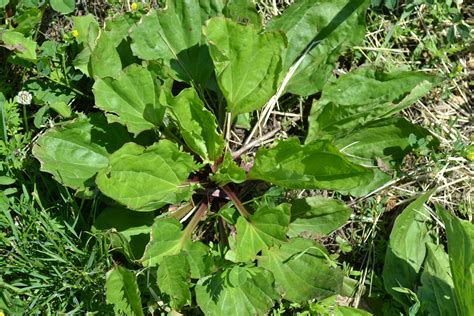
50,263
47,267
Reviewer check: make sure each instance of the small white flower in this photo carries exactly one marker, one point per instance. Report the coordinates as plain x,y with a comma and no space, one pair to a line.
24,97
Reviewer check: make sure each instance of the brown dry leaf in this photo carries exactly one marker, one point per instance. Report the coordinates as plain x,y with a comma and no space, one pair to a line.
390,204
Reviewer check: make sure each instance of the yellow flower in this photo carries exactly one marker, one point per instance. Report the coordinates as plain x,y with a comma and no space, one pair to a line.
133,6
74,33
1,313
470,156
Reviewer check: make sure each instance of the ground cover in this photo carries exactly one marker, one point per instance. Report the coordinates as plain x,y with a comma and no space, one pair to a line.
313,175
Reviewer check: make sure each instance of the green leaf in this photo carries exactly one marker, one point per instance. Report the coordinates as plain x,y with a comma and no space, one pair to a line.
362,96
210,8
174,277
461,259
118,28
174,36
243,121
243,11
329,305
378,180
122,291
48,50
247,64
23,47
84,25
131,99
76,151
406,249
197,125
228,171
385,139
253,294
88,32
469,229
63,6
437,292
62,108
110,52
301,270
168,239
381,145
146,179
314,166
3,3
261,230
39,117
4,180
317,216
333,25
105,59
129,231
349,311
28,21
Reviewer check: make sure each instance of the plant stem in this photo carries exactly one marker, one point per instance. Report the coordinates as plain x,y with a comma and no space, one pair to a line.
181,212
233,197
223,241
25,118
195,220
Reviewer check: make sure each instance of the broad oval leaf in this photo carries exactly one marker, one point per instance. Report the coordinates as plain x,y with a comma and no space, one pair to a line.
197,125
332,25
381,144
131,99
247,64
174,36
437,292
406,249
261,230
362,96
122,291
385,139
461,260
145,179
23,47
104,59
252,294
301,270
174,279
317,216
168,239
74,152
314,166
63,6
